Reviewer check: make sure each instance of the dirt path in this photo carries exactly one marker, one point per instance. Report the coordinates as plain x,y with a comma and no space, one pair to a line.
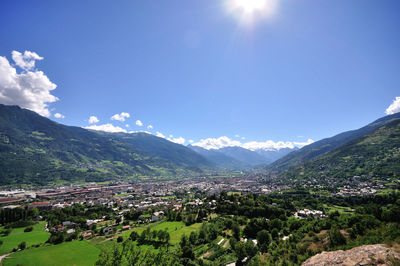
3,257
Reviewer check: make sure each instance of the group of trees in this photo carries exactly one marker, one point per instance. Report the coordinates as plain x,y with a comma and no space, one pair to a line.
17,214
77,213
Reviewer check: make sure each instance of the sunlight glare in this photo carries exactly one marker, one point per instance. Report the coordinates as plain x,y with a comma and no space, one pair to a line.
250,6
250,10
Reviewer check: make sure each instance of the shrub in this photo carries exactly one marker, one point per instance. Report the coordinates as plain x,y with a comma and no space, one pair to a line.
22,245
28,229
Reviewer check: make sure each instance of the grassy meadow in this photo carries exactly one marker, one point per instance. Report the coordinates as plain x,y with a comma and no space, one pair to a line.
37,236
67,253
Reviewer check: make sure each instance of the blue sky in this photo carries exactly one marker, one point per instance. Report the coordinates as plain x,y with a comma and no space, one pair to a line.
309,69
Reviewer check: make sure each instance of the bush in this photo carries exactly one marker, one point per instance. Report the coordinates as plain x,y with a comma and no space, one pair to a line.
5,232
28,229
120,239
19,224
336,238
22,245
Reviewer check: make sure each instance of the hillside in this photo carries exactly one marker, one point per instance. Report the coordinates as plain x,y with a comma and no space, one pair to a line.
36,150
221,160
374,154
329,144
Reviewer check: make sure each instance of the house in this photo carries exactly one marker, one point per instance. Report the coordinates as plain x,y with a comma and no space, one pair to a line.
43,205
86,234
157,216
59,228
126,227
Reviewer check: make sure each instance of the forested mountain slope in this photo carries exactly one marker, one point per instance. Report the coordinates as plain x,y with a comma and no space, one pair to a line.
36,150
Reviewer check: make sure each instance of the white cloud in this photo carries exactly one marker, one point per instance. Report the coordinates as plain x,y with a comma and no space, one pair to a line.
302,144
149,127
394,107
217,143
30,89
221,142
191,141
107,128
179,140
243,138
140,131
127,125
171,138
139,123
237,136
26,60
58,115
93,119
159,134
120,117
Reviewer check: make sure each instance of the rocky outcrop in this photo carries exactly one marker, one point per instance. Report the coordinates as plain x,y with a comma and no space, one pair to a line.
364,255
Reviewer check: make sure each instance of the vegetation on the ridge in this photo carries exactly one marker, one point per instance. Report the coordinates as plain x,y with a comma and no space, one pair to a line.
329,144
376,154
36,150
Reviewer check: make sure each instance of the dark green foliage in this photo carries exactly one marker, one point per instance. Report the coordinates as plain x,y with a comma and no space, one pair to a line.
127,253
22,245
336,238
264,239
17,217
57,237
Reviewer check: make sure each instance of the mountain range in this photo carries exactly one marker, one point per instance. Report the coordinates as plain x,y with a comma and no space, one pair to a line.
37,150
329,144
375,154
236,157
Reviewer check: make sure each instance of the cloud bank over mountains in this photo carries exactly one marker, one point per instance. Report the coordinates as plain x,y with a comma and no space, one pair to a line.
30,88
224,141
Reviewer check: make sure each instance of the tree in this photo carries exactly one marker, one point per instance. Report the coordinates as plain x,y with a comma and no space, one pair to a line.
187,252
263,239
240,250
134,236
236,231
193,238
336,238
22,245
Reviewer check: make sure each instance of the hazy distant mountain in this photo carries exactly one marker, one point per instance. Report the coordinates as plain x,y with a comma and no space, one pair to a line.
239,158
244,155
220,159
34,149
325,145
272,155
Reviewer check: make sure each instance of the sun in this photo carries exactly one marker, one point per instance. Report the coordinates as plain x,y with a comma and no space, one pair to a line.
251,6
248,11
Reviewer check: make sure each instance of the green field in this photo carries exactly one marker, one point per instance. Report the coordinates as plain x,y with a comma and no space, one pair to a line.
67,253
340,209
37,236
175,229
